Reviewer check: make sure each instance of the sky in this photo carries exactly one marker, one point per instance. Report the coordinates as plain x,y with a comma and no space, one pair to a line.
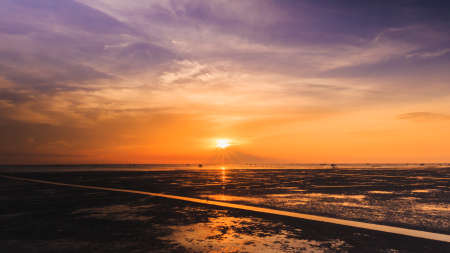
159,81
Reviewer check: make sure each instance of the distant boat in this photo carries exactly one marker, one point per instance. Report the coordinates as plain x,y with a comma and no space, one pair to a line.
200,165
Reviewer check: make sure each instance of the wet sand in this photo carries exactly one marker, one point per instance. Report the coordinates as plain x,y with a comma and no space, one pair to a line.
46,218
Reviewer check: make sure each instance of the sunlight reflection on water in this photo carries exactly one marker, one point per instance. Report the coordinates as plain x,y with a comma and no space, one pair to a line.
367,207
380,192
226,198
231,234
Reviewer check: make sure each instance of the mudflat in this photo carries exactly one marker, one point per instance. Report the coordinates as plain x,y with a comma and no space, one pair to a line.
48,218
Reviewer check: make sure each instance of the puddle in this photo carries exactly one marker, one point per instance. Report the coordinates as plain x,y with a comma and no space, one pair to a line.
380,192
423,191
231,234
428,207
227,198
408,198
288,188
351,204
279,195
335,196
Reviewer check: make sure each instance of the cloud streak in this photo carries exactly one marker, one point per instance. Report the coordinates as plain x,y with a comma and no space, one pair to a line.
274,66
424,116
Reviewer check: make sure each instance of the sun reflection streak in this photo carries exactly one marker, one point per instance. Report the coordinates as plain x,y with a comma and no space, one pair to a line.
224,178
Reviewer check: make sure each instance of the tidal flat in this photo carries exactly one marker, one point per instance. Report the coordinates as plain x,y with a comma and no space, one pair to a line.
48,218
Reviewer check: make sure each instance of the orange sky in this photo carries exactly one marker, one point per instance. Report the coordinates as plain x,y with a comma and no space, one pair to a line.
153,82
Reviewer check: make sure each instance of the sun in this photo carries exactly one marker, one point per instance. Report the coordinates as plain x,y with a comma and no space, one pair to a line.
222,143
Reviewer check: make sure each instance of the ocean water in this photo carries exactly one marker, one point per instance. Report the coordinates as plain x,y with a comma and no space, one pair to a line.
161,167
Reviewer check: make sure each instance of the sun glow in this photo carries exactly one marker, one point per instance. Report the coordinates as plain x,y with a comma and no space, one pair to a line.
222,143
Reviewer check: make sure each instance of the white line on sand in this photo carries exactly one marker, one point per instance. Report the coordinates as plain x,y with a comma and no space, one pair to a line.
357,224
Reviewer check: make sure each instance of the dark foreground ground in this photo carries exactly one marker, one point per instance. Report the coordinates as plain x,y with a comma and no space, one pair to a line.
47,218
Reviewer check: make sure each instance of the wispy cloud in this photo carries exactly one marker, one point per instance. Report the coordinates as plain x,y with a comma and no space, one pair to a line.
234,64
424,116
430,54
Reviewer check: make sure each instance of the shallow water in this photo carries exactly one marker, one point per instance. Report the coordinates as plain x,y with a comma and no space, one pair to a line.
417,198
231,234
